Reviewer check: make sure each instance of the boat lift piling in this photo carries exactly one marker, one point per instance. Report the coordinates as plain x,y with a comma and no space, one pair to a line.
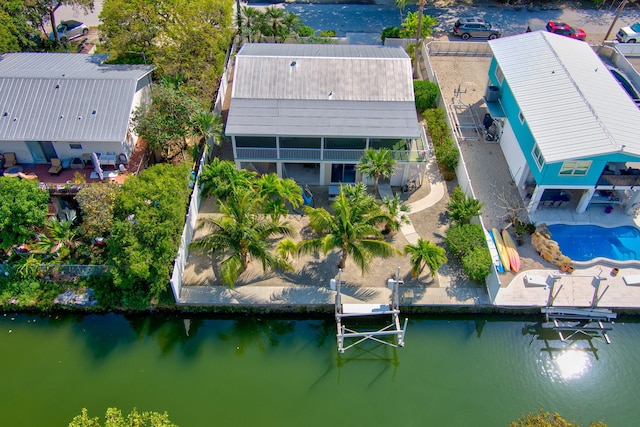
360,310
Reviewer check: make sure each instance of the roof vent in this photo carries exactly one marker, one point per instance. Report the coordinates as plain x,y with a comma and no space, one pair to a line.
93,112
293,63
79,117
5,114
57,86
61,116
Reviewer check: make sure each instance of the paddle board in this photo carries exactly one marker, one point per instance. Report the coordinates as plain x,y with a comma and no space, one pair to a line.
514,258
502,250
494,252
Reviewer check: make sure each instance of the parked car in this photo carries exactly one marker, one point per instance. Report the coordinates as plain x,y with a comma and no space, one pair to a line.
629,34
68,30
476,27
625,83
566,30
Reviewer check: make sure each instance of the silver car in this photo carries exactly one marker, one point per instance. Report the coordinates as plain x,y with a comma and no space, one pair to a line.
68,30
476,27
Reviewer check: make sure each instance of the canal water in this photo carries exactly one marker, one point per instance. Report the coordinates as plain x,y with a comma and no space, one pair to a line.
253,371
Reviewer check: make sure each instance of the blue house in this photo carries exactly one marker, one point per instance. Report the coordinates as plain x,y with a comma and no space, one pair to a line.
569,131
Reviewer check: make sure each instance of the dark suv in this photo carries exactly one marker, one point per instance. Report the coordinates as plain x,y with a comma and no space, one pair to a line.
476,27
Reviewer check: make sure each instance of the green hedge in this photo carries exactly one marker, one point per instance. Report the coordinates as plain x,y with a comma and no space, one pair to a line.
468,243
426,94
444,147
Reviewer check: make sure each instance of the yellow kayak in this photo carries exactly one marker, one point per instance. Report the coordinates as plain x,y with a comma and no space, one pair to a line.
502,250
514,257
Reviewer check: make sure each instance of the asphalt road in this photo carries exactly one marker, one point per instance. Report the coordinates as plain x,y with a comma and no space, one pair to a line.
352,19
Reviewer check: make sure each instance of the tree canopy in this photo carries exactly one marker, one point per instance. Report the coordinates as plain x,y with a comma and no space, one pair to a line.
170,118
16,34
183,39
23,208
148,220
114,418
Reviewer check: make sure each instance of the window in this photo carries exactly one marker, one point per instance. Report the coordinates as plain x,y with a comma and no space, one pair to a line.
577,168
75,146
499,74
537,156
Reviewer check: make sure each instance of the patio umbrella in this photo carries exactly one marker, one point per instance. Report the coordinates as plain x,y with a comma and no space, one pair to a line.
96,165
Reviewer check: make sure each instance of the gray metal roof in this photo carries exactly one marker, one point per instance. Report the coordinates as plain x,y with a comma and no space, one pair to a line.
334,90
572,104
65,97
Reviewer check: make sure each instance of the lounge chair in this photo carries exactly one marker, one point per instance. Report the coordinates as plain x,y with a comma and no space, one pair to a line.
56,166
10,160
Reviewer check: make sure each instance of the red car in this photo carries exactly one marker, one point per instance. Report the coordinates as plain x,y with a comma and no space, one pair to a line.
566,30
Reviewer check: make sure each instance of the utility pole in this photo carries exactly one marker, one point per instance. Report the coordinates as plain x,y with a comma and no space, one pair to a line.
618,12
418,71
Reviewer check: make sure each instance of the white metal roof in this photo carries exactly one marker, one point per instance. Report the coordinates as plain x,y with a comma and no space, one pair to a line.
572,104
65,97
302,90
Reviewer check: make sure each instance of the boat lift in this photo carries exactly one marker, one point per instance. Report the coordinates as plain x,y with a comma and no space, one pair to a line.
569,322
361,310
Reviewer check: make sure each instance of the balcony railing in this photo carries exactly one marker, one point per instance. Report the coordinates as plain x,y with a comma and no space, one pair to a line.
316,154
619,180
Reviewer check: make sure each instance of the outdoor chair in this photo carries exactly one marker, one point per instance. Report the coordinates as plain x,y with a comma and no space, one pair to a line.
10,160
56,166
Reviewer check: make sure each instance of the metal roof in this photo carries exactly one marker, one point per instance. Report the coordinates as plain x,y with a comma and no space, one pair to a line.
332,90
572,104
65,97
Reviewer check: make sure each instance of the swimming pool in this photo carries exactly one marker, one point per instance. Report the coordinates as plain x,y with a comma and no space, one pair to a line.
586,242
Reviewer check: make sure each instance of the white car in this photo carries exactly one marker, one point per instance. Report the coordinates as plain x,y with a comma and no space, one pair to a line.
68,30
629,34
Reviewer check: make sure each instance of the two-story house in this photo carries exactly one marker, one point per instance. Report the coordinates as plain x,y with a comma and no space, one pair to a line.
570,133
309,111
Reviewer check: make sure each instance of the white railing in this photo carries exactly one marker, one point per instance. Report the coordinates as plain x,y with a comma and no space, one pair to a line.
458,48
187,232
303,154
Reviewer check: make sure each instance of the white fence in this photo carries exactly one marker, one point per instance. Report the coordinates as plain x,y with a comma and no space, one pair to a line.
188,231
492,281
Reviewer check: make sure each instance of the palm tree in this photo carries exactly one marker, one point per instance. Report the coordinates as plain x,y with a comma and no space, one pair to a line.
397,211
351,229
207,125
290,25
462,208
241,234
221,179
252,23
375,164
401,4
273,17
61,237
425,254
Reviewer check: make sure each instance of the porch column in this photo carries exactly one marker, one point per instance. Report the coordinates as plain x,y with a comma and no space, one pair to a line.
535,199
633,204
233,144
583,204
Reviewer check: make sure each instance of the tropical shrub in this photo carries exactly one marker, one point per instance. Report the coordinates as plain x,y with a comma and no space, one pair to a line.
444,147
461,239
390,32
149,215
462,208
327,33
23,208
477,262
426,94
306,31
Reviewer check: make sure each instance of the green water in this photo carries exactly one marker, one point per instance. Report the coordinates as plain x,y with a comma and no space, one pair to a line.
252,372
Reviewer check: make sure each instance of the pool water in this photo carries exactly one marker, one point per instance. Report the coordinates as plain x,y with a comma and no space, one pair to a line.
586,242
